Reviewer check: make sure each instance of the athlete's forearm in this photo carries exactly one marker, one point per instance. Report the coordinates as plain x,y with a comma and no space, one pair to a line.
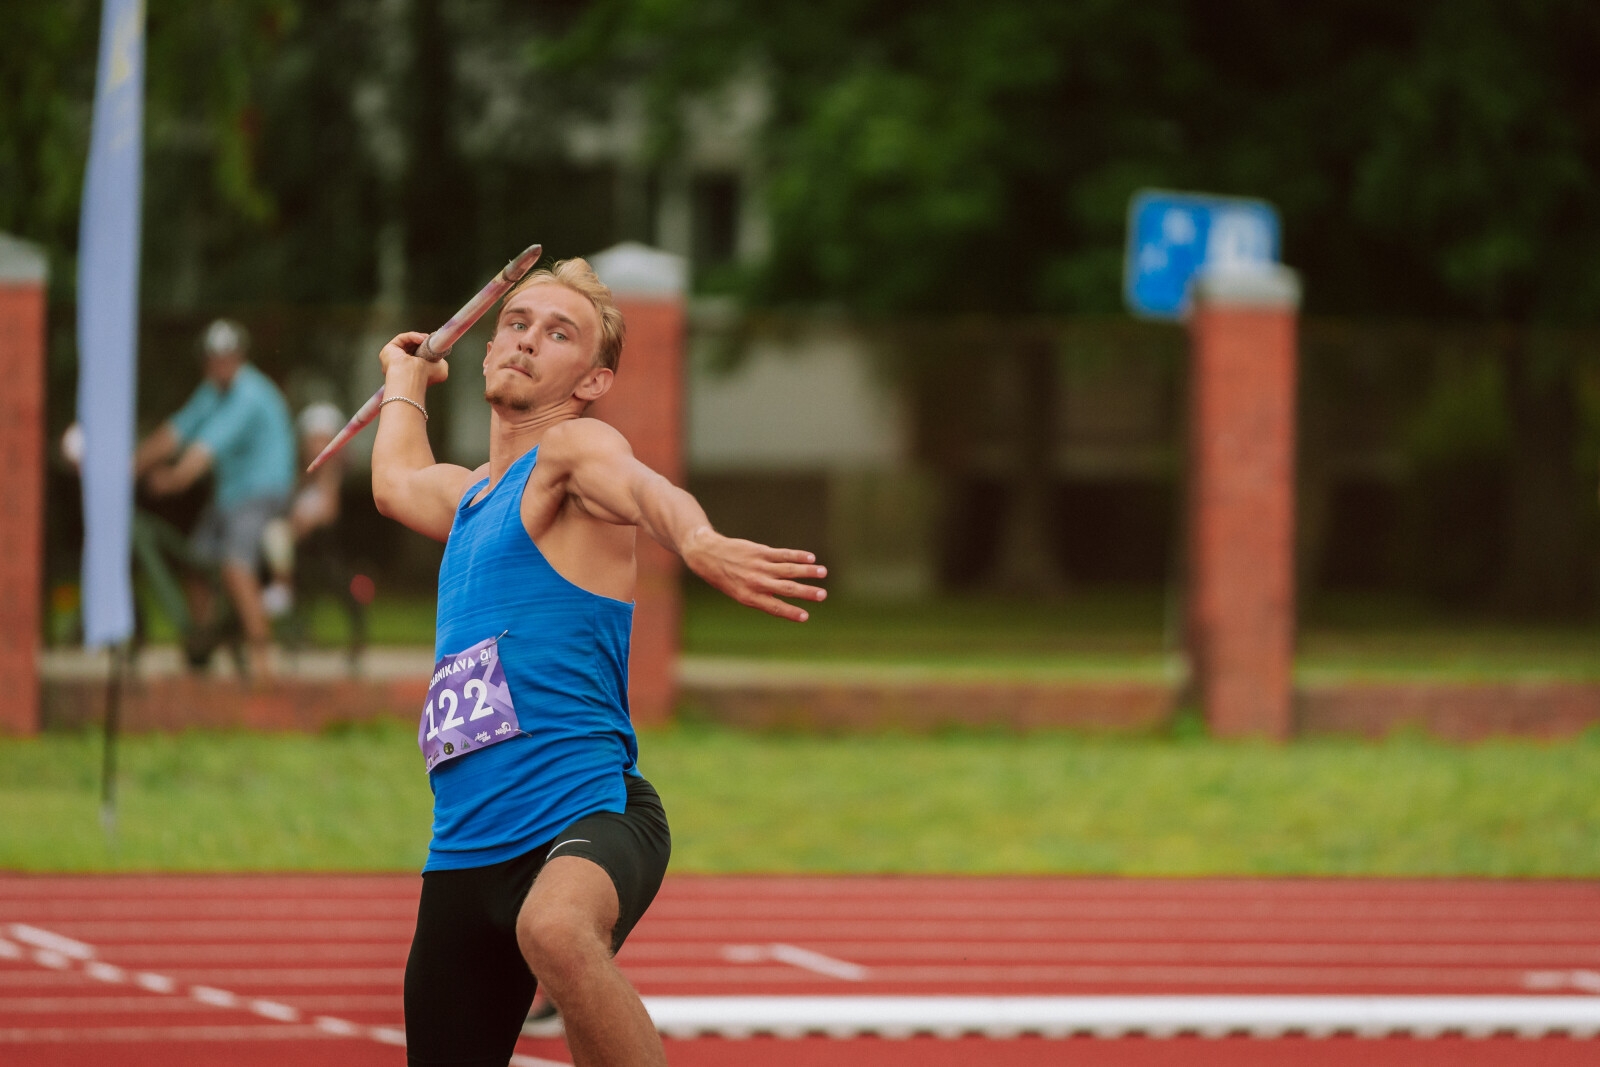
753,574
615,486
667,513
401,447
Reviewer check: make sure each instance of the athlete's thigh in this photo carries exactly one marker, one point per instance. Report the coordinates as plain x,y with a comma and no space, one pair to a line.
631,847
572,895
467,987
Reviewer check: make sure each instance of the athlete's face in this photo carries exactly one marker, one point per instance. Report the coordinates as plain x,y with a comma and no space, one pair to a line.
543,348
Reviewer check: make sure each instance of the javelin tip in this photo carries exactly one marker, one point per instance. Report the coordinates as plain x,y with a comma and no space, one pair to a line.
522,264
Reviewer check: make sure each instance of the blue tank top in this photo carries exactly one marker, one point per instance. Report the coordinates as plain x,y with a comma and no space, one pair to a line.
565,656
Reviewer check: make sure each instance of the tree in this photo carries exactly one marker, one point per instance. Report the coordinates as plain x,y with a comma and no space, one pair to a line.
1428,158
1481,165
45,90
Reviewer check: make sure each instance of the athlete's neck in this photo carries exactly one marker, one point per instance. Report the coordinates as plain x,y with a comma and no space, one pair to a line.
513,433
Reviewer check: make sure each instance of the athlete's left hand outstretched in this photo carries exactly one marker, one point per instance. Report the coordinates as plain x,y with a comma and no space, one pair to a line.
754,574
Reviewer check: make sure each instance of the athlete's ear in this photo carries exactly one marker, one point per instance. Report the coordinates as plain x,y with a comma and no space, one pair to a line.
596,384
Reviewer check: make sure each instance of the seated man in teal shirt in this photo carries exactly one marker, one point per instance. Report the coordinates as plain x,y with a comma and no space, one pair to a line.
236,425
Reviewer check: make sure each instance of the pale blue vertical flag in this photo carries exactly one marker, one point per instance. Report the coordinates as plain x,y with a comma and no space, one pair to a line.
108,322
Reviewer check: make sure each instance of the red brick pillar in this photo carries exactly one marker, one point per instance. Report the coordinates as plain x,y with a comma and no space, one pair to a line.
22,304
646,404
1241,499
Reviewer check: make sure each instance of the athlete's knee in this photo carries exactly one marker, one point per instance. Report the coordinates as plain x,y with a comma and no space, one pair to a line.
558,942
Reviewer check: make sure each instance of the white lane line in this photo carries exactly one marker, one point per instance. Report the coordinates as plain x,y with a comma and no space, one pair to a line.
9,950
63,951
337,1027
1588,981
79,1035
156,983
795,956
1114,1016
101,971
273,1010
519,1060
217,998
51,942
816,961
92,1003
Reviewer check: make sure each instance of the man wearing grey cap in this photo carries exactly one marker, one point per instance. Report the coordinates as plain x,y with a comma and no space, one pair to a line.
235,425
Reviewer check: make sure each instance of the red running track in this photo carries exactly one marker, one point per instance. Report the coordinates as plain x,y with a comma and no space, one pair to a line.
307,969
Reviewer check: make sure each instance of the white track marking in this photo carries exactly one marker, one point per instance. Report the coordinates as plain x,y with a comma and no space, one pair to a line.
9,950
816,961
388,1035
78,1035
217,998
337,1027
63,951
795,956
101,971
93,1003
1588,981
996,1017
51,942
156,983
273,1010
1112,1016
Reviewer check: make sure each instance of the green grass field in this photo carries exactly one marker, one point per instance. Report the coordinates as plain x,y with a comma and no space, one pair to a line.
357,799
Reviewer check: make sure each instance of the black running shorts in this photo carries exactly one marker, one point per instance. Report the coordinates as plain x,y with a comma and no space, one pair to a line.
468,988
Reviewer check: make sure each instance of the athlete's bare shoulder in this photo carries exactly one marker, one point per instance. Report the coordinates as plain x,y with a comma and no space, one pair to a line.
567,444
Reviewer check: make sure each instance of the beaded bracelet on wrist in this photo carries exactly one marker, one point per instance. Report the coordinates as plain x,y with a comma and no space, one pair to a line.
404,400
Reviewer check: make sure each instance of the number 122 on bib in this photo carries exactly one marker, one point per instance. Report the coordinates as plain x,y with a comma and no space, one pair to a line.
469,705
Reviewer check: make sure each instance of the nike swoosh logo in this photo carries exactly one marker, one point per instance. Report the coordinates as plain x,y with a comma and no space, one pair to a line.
568,841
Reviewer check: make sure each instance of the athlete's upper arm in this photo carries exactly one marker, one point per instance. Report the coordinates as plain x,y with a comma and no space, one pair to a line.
424,499
589,461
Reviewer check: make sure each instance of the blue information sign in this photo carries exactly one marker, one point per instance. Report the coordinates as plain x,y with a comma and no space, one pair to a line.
1173,235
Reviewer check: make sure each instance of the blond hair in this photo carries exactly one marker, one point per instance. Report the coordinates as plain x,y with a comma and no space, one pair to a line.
577,275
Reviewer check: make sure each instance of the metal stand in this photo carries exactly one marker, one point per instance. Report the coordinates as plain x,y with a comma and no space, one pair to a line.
108,766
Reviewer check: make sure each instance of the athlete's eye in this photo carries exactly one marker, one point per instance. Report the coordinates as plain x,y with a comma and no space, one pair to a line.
559,335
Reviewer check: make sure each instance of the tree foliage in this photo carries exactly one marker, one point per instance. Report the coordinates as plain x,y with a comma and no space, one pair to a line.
1428,157
202,68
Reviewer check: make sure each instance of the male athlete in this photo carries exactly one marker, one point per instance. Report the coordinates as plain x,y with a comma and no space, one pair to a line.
547,844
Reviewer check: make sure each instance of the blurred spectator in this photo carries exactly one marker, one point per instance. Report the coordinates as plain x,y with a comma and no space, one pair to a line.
236,425
300,547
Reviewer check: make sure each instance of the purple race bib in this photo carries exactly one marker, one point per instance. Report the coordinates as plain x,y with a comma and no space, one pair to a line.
469,705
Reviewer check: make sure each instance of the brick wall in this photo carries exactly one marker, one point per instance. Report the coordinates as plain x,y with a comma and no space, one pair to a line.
1241,504
646,404
22,321
190,702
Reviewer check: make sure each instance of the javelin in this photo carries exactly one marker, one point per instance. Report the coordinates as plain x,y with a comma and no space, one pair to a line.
438,344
